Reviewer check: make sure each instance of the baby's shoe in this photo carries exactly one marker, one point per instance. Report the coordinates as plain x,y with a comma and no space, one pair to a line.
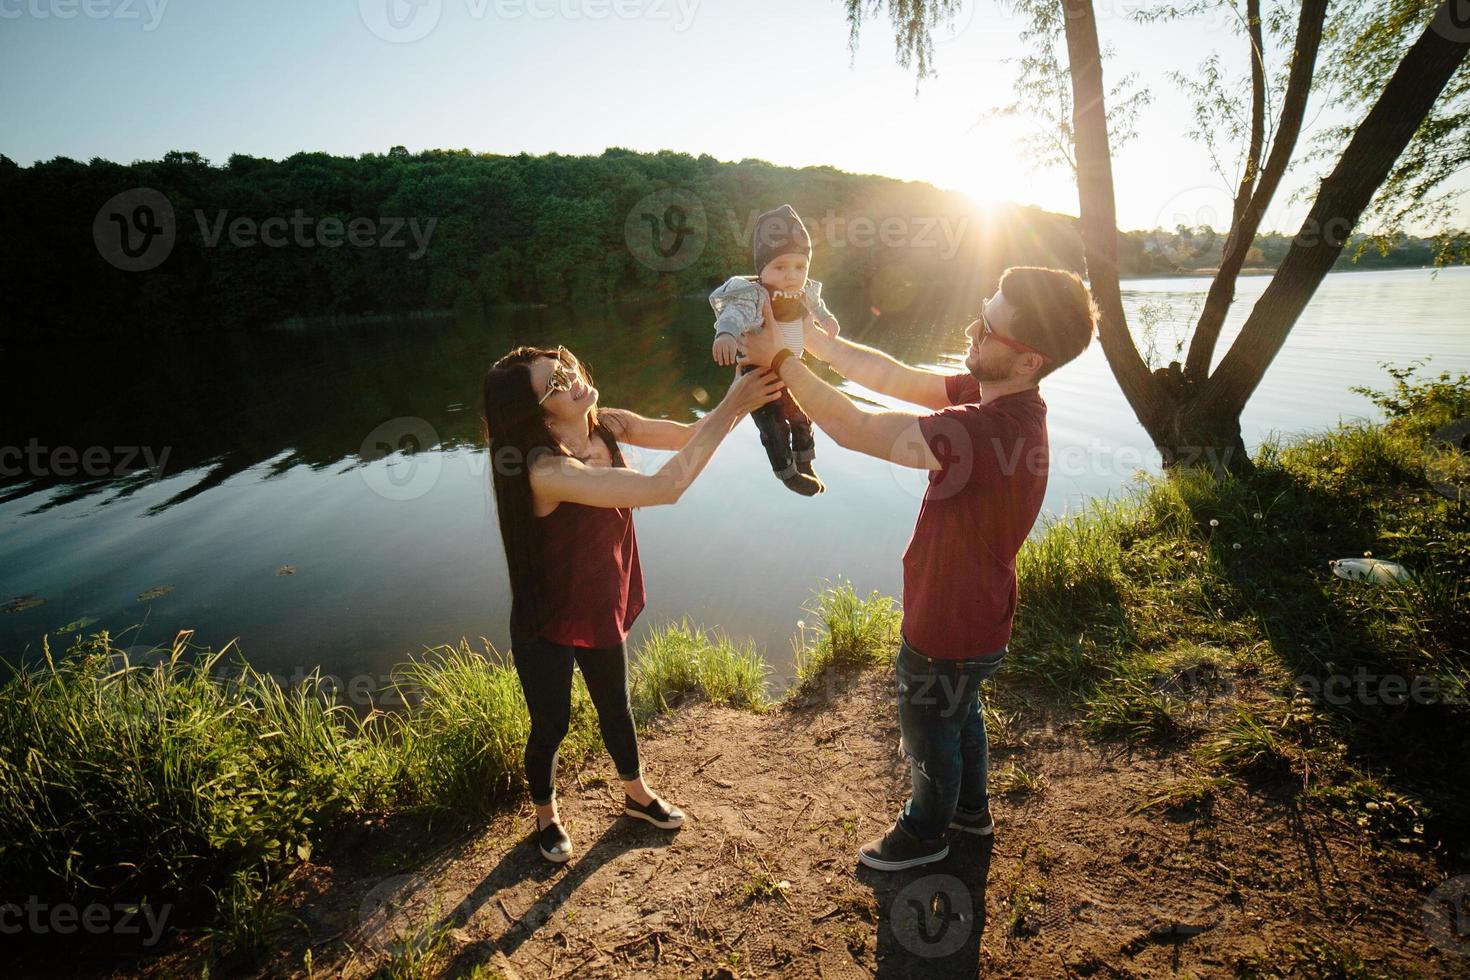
804,466
805,484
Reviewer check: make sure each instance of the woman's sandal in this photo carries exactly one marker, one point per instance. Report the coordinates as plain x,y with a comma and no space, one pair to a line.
655,811
553,842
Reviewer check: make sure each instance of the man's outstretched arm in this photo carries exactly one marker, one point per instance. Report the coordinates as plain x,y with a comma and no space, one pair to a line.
875,370
891,435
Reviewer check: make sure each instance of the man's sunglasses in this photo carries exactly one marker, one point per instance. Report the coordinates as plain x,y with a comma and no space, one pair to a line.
986,333
562,376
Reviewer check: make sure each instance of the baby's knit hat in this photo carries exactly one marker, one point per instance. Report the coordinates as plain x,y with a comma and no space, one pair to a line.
780,232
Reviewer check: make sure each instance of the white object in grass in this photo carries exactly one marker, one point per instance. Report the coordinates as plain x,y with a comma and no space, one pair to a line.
1371,570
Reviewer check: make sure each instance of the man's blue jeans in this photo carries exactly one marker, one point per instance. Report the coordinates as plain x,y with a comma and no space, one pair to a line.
942,727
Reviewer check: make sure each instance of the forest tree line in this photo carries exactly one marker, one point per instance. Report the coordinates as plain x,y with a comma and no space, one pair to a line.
182,245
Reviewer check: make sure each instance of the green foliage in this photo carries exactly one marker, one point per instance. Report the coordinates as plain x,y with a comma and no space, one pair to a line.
1418,406
492,230
163,783
680,660
850,633
1130,708
1071,581
464,738
1364,42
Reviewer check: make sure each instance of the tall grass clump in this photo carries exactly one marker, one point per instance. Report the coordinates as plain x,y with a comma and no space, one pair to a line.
163,784
1071,581
848,633
461,740
679,660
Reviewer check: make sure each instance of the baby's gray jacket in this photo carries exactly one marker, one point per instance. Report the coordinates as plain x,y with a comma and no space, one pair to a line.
737,304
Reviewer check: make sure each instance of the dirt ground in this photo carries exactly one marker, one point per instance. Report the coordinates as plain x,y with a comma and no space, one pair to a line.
763,880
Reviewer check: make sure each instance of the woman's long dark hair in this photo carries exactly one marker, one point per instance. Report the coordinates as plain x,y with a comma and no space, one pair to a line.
516,435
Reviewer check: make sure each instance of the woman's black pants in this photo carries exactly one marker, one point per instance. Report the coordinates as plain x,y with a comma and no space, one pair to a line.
545,670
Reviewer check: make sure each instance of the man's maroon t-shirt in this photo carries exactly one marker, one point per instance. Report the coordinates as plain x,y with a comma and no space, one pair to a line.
959,570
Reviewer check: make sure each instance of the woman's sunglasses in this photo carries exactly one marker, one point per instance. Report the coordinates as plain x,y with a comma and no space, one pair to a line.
562,376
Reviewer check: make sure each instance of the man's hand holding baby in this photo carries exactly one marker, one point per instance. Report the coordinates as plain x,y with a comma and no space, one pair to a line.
760,346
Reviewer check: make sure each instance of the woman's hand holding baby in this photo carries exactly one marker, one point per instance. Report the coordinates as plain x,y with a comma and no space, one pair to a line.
752,389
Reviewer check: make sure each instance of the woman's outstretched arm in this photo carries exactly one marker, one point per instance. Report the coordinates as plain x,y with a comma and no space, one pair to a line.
635,430
558,479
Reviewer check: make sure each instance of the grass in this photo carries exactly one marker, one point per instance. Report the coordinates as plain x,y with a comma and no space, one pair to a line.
167,784
1131,708
849,633
1013,779
200,786
681,660
1199,612
1194,792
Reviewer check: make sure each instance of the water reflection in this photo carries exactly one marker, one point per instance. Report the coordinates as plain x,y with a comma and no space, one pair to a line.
355,456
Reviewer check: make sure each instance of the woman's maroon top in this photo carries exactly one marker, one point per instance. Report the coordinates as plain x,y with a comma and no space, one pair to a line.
593,584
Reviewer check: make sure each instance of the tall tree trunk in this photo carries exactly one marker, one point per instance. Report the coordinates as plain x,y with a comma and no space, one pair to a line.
1389,126
1162,400
1099,218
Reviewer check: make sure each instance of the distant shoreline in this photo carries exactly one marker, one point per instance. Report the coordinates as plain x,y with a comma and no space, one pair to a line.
1262,271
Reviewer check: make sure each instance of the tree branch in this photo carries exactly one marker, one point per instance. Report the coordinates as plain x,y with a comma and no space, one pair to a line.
1250,204
1405,103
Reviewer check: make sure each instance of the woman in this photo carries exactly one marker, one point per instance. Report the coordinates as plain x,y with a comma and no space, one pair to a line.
564,497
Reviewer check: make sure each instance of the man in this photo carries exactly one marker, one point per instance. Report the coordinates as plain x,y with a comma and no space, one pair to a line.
984,441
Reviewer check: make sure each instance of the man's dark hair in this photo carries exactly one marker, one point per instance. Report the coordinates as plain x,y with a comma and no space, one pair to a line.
1054,312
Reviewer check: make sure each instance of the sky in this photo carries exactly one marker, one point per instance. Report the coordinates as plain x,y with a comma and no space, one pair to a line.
770,79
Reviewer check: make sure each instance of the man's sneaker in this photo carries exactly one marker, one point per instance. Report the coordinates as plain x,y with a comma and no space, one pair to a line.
973,823
898,849
553,842
655,811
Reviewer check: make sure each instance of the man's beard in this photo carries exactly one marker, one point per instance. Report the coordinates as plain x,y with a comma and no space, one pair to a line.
990,372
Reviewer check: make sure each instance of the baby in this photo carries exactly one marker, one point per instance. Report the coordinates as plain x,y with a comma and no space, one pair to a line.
783,251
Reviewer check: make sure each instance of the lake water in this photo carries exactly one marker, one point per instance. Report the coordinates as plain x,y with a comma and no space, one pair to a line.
271,516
